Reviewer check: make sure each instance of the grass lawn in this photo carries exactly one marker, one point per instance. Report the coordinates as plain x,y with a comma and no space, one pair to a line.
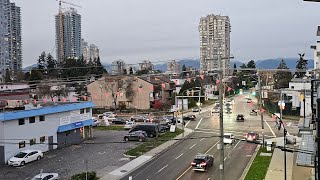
152,143
259,167
112,127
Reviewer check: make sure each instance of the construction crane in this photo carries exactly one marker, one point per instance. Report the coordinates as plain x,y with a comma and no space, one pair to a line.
61,50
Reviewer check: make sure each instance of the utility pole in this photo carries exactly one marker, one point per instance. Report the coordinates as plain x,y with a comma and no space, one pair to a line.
182,115
260,104
221,128
284,138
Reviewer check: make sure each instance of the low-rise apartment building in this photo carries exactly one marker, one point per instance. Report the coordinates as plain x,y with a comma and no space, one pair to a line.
44,127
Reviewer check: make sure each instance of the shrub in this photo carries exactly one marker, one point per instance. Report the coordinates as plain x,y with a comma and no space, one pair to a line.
82,176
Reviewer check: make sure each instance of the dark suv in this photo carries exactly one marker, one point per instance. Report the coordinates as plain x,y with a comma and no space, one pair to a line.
240,118
151,129
202,162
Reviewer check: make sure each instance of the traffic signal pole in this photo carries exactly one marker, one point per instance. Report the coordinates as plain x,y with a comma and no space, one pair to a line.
221,127
284,137
260,104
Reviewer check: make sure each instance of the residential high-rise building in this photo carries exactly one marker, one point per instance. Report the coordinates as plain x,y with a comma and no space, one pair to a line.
90,52
10,38
68,35
14,38
146,65
215,43
4,54
118,67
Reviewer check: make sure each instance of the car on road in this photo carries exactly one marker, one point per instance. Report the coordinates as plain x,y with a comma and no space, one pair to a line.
249,100
129,125
151,129
254,112
25,157
189,117
215,110
139,118
228,138
240,118
196,110
202,162
252,136
119,121
134,136
228,110
46,176
95,122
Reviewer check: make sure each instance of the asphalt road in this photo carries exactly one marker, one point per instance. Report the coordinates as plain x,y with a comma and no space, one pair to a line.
175,162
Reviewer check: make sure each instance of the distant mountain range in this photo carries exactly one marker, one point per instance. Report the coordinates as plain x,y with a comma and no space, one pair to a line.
195,63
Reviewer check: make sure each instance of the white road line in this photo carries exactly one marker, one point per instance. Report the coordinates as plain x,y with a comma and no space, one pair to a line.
212,147
225,158
236,145
193,146
199,123
162,168
184,172
179,156
187,124
202,139
270,129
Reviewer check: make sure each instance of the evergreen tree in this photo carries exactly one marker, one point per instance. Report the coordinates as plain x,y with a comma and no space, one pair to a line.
8,76
42,62
99,67
124,72
184,71
301,67
51,66
283,77
35,76
234,69
131,70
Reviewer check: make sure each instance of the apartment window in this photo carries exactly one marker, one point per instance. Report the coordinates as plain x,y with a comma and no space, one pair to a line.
42,118
88,110
32,120
32,141
42,139
22,144
21,121
81,111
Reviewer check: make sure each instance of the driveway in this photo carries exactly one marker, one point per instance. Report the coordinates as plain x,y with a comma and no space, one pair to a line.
103,153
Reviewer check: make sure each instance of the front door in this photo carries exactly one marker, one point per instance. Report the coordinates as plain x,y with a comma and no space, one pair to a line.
50,141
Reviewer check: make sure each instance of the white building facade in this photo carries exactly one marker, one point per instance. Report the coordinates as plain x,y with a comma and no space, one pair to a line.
44,128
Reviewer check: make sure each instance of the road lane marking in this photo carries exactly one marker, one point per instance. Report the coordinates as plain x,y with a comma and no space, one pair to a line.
225,158
193,146
202,139
270,129
212,147
162,168
179,156
199,123
184,173
236,145
187,124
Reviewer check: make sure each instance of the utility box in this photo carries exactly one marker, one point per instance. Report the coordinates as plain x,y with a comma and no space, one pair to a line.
269,146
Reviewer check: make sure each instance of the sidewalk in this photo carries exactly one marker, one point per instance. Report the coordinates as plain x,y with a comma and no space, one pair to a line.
276,167
139,161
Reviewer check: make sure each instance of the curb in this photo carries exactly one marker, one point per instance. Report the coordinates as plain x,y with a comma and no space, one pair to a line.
161,152
128,156
246,170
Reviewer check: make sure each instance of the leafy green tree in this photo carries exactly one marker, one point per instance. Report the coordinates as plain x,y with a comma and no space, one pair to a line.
36,76
283,76
301,67
142,72
27,76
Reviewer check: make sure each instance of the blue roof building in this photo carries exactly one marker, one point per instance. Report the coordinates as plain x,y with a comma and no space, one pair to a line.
44,128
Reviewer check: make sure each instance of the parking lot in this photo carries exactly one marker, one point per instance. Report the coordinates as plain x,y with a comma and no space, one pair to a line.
103,153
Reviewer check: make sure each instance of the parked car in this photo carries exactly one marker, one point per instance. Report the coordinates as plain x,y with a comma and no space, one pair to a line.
46,176
189,117
139,118
202,162
151,129
134,136
129,125
143,133
228,110
252,136
110,114
119,121
228,138
164,127
95,123
240,118
24,157
196,110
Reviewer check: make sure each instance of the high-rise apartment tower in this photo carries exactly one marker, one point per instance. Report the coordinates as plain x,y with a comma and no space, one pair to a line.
68,35
215,43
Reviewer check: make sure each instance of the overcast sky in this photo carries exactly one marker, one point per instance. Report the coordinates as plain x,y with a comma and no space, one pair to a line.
135,30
